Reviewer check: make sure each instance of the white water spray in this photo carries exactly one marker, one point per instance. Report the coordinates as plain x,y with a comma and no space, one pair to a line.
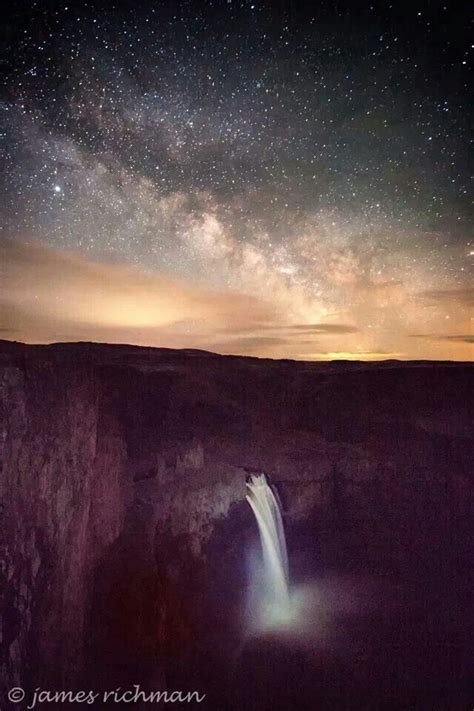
275,608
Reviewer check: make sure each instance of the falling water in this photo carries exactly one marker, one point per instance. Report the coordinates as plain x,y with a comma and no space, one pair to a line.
275,605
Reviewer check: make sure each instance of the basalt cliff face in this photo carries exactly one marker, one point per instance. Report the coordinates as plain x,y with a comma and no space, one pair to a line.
124,522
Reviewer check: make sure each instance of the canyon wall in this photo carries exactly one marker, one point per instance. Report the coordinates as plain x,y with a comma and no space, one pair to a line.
123,485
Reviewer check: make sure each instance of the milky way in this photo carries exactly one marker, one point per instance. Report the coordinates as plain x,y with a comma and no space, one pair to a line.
245,177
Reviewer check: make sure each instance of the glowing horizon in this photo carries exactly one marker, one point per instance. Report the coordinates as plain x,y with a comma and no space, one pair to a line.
57,296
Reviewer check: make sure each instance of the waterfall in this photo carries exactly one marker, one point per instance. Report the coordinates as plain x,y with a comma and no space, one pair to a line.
275,602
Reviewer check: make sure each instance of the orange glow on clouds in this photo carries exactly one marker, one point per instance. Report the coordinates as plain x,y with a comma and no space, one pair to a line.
51,296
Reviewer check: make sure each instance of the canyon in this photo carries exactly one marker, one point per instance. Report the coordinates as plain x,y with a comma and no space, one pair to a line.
125,530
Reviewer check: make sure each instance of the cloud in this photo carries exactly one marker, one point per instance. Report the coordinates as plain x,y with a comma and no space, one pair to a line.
307,328
250,344
459,339
50,295
463,296
321,328
456,338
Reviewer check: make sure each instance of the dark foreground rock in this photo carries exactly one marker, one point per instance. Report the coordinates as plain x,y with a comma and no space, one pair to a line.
125,530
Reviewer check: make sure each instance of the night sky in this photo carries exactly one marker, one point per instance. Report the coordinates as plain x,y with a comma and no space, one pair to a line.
272,179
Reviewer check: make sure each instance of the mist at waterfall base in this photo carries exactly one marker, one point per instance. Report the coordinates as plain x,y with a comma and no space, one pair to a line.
273,604
290,657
